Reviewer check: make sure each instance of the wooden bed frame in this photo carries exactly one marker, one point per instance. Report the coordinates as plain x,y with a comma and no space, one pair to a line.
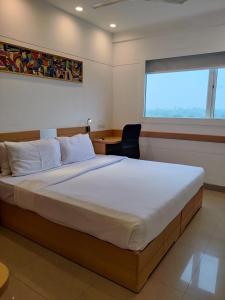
130,269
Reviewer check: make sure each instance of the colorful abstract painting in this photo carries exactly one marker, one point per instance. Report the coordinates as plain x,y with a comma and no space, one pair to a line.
31,62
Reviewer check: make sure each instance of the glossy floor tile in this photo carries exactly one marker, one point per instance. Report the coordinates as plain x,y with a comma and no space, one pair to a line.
194,268
208,281
17,290
177,268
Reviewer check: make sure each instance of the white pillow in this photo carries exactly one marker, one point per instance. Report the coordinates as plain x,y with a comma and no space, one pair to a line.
4,161
31,157
76,148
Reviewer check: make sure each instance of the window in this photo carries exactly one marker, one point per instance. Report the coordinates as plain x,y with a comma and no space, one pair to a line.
219,111
175,88
177,94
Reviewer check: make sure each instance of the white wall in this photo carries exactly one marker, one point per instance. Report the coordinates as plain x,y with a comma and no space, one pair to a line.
33,103
131,49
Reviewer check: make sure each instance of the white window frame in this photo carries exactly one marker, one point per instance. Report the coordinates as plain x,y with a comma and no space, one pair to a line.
211,97
210,106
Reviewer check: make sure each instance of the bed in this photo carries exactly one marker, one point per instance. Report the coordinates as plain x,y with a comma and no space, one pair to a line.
128,212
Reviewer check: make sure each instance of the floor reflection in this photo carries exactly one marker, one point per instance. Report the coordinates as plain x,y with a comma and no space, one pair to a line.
188,272
205,275
208,272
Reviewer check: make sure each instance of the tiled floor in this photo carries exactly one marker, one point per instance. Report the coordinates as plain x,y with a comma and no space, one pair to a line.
193,269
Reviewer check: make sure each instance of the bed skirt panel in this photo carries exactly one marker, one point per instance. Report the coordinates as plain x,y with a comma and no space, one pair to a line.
130,269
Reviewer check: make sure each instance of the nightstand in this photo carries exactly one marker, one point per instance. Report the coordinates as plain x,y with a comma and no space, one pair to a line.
101,145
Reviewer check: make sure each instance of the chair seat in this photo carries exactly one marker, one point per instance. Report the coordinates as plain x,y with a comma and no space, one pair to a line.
131,151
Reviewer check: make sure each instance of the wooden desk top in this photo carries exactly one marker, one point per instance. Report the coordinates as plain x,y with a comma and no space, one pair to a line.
109,140
4,275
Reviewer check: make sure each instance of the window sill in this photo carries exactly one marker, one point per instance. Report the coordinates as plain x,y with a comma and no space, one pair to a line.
184,121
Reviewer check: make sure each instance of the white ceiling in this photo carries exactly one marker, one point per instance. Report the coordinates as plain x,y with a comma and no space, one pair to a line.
137,13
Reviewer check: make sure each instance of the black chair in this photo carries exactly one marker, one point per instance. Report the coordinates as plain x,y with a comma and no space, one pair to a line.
129,145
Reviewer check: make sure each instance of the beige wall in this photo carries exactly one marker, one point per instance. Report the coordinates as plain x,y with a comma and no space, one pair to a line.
31,103
118,92
131,49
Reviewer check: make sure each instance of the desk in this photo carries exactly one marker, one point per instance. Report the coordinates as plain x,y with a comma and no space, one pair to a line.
4,275
100,145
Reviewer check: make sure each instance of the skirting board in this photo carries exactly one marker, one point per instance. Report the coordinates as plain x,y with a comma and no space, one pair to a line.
213,187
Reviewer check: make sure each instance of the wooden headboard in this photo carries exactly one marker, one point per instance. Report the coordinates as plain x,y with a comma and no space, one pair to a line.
71,131
23,136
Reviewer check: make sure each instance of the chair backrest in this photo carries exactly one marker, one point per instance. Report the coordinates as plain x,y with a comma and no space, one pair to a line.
131,133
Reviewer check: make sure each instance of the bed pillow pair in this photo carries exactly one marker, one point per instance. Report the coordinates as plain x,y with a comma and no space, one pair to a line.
32,157
25,158
76,148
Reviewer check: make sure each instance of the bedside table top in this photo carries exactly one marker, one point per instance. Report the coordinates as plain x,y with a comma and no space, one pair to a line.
108,140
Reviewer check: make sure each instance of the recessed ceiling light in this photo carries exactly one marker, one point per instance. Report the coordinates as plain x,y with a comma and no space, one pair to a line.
79,8
112,25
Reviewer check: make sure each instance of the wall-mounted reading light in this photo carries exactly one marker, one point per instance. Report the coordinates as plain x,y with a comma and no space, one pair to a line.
79,8
89,124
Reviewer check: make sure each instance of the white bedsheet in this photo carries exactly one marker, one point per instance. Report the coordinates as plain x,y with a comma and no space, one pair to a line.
123,201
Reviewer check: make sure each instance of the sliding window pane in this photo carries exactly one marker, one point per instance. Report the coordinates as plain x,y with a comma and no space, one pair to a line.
219,112
177,94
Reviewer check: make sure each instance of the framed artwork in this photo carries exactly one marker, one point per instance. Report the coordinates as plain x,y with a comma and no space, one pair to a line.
26,61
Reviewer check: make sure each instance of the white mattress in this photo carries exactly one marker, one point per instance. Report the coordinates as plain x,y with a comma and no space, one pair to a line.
123,201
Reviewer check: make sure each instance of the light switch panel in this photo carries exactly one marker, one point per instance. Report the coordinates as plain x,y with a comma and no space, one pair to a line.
48,134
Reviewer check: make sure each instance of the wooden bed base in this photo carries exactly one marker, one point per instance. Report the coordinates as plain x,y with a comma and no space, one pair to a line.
130,269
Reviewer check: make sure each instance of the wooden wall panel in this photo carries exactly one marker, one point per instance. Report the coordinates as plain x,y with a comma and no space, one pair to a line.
35,135
21,136
71,131
184,136
178,136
